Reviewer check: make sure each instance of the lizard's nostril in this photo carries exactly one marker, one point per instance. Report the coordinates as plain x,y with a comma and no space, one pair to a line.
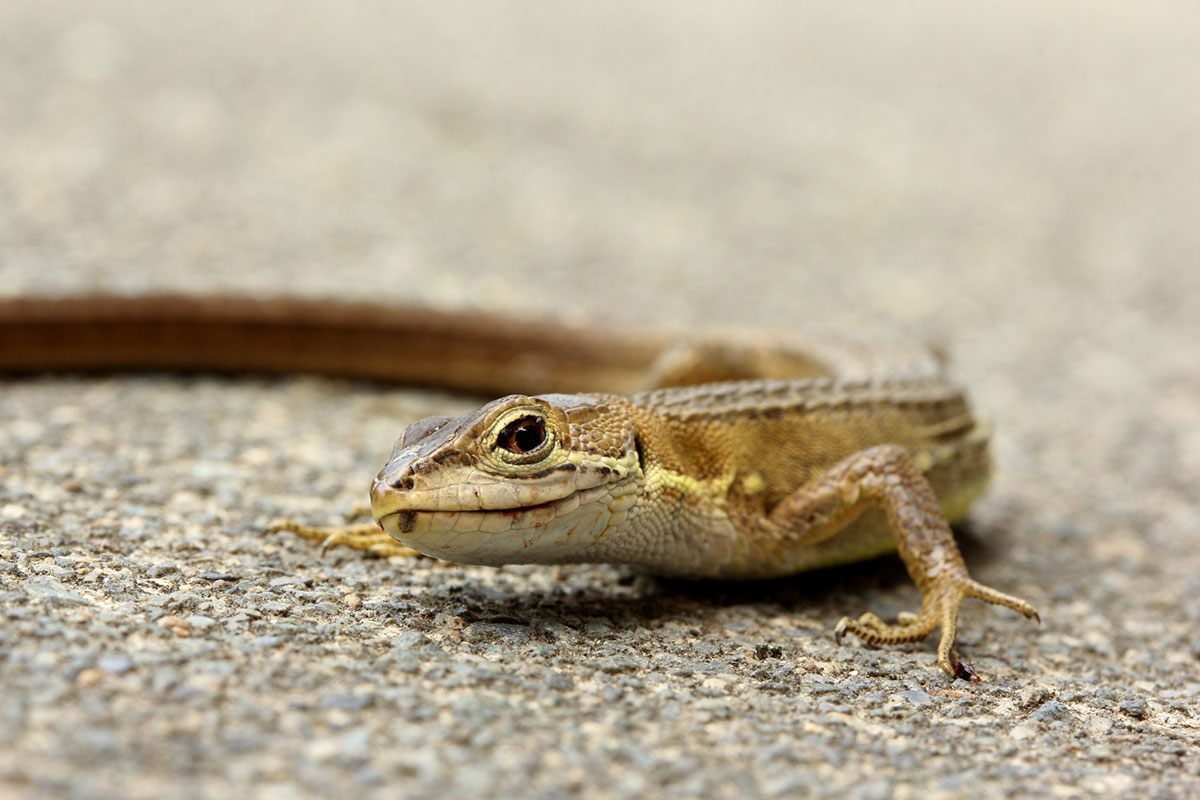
399,475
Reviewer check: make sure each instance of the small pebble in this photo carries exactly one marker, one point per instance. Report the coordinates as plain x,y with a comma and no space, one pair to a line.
1051,711
917,697
114,663
176,625
1134,707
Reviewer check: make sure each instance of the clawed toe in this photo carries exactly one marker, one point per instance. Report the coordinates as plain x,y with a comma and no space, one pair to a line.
939,609
359,537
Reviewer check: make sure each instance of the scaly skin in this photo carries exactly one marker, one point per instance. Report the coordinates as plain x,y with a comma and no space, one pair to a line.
761,457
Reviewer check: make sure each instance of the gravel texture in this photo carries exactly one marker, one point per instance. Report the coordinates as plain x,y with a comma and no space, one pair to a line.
1018,182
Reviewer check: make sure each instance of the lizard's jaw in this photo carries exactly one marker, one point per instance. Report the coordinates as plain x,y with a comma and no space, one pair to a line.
557,531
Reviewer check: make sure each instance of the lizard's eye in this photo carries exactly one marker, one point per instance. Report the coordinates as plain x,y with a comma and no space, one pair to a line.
523,435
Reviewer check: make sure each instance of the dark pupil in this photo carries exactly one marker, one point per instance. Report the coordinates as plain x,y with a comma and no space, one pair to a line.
524,435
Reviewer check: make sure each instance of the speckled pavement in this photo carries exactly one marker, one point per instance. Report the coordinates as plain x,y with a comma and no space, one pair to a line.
1018,183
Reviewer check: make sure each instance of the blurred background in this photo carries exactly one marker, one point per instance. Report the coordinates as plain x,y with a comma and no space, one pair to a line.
767,162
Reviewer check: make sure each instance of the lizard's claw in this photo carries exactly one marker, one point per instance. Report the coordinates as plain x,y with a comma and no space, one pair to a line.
359,537
939,608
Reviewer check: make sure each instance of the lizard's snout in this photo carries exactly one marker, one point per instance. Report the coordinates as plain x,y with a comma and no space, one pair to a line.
398,474
379,489
387,499
390,486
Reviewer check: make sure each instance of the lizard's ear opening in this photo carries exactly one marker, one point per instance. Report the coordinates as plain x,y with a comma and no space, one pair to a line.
640,449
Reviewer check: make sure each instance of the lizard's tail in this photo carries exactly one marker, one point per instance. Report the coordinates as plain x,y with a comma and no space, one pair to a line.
472,352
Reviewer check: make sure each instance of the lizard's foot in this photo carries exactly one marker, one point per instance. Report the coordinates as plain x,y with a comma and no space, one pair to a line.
939,608
359,537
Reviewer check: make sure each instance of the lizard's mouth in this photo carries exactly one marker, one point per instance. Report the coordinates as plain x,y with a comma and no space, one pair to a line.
549,532
471,508
406,522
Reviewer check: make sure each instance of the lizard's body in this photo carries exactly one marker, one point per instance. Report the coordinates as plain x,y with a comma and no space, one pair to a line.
822,452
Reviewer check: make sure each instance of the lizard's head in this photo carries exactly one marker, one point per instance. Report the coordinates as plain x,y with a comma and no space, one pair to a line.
523,479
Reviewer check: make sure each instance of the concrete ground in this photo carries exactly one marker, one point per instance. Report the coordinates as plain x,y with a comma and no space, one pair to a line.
1019,182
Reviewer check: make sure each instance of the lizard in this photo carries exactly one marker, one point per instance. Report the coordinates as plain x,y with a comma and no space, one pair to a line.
728,456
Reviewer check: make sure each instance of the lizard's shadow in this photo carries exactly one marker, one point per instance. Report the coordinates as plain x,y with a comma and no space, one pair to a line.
639,600
830,585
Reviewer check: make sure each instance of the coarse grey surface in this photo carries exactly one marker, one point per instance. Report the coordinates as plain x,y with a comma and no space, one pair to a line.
1019,181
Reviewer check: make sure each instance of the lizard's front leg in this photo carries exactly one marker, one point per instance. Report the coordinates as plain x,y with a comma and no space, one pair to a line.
366,536
886,476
